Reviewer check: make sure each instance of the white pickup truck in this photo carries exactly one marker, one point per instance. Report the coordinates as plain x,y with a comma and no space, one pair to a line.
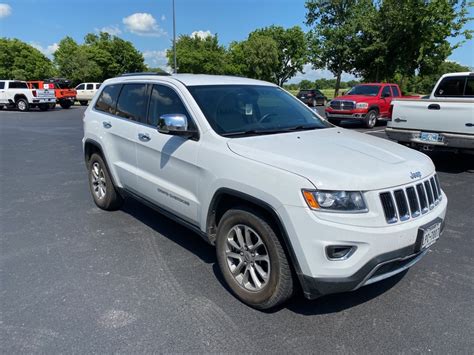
444,121
14,93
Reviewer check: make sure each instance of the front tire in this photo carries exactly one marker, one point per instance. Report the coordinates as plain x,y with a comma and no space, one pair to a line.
43,107
65,104
22,105
83,103
52,106
371,119
252,259
103,191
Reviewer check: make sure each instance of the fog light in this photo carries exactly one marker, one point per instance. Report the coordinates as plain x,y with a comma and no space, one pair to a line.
340,252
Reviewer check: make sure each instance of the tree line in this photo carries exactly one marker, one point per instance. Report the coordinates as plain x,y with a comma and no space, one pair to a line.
404,41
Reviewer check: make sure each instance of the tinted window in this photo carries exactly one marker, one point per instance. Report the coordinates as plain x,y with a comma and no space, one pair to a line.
2,85
108,99
395,90
386,91
369,90
469,87
236,110
132,102
90,87
164,100
451,86
80,87
97,86
17,85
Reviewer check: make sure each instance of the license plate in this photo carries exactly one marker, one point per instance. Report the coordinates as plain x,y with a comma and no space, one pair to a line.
430,137
430,235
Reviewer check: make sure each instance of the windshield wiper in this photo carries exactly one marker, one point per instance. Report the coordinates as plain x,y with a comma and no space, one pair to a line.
269,131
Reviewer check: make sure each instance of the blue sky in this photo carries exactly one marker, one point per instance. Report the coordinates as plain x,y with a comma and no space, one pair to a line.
148,23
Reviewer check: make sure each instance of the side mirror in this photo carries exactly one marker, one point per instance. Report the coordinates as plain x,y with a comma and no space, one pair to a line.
174,124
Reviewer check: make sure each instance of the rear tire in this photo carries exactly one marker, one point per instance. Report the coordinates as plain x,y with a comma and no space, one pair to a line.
371,118
52,106
253,261
83,103
103,191
22,105
65,104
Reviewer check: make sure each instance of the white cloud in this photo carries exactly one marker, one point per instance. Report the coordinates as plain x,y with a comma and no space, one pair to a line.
48,50
5,10
311,74
143,24
201,34
157,59
113,30
163,18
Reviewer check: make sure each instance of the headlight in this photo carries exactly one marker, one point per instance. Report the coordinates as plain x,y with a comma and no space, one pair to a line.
336,201
362,105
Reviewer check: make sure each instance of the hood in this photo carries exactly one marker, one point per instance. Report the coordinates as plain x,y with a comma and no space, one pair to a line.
336,159
356,98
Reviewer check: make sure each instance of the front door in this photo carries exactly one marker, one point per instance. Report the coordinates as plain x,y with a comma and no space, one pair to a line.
385,101
166,165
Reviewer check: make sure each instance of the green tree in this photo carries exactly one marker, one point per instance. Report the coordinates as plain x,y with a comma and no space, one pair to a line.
256,57
21,61
292,50
199,55
332,39
306,84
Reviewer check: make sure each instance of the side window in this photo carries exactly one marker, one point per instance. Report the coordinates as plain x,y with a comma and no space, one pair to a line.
451,86
2,85
132,102
395,91
164,100
469,91
90,87
386,91
108,99
80,87
97,86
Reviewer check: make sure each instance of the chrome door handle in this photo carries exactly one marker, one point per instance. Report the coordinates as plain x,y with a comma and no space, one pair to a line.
144,137
434,107
106,124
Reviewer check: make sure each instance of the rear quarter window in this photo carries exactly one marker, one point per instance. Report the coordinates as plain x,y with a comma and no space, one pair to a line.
451,86
107,100
395,91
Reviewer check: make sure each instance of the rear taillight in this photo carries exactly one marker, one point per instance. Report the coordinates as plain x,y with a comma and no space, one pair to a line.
34,93
309,95
390,112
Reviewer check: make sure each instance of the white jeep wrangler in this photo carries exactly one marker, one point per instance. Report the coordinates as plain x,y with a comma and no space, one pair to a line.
288,199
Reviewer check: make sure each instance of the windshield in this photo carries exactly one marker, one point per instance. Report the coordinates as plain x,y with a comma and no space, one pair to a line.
238,110
368,90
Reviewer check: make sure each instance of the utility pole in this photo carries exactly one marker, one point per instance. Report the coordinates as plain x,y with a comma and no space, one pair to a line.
174,40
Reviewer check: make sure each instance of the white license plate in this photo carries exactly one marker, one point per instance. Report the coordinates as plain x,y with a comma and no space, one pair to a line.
430,235
430,137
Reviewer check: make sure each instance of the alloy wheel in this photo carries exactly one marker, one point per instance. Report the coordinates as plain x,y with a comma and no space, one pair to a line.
99,185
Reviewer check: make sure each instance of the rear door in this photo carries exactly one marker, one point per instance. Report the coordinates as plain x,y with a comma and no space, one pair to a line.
167,165
117,115
89,91
3,96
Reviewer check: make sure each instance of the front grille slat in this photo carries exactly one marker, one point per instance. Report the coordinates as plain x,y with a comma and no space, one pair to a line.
429,193
411,201
388,207
341,105
402,205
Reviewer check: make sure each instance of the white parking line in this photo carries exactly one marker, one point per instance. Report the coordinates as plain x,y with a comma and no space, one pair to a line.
377,131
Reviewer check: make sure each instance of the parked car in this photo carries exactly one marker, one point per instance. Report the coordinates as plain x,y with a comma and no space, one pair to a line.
65,96
368,103
86,91
287,199
312,97
444,121
15,93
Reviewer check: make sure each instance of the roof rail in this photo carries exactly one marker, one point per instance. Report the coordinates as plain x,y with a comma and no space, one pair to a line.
147,73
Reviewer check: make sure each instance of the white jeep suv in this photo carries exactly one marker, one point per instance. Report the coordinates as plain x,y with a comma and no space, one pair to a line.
288,199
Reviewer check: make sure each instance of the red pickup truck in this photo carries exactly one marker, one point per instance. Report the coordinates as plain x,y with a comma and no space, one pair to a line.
365,102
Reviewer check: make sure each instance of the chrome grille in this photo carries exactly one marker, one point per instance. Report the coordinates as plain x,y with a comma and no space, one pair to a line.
411,201
341,105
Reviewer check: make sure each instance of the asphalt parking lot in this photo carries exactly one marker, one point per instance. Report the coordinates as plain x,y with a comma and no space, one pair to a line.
76,279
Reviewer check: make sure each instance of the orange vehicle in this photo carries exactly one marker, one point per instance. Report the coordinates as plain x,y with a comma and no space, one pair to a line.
65,95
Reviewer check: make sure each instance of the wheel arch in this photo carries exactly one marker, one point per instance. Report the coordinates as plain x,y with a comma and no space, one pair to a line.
225,198
374,107
90,147
20,96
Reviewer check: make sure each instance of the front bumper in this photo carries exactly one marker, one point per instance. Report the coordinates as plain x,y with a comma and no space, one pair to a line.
448,140
382,251
345,115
